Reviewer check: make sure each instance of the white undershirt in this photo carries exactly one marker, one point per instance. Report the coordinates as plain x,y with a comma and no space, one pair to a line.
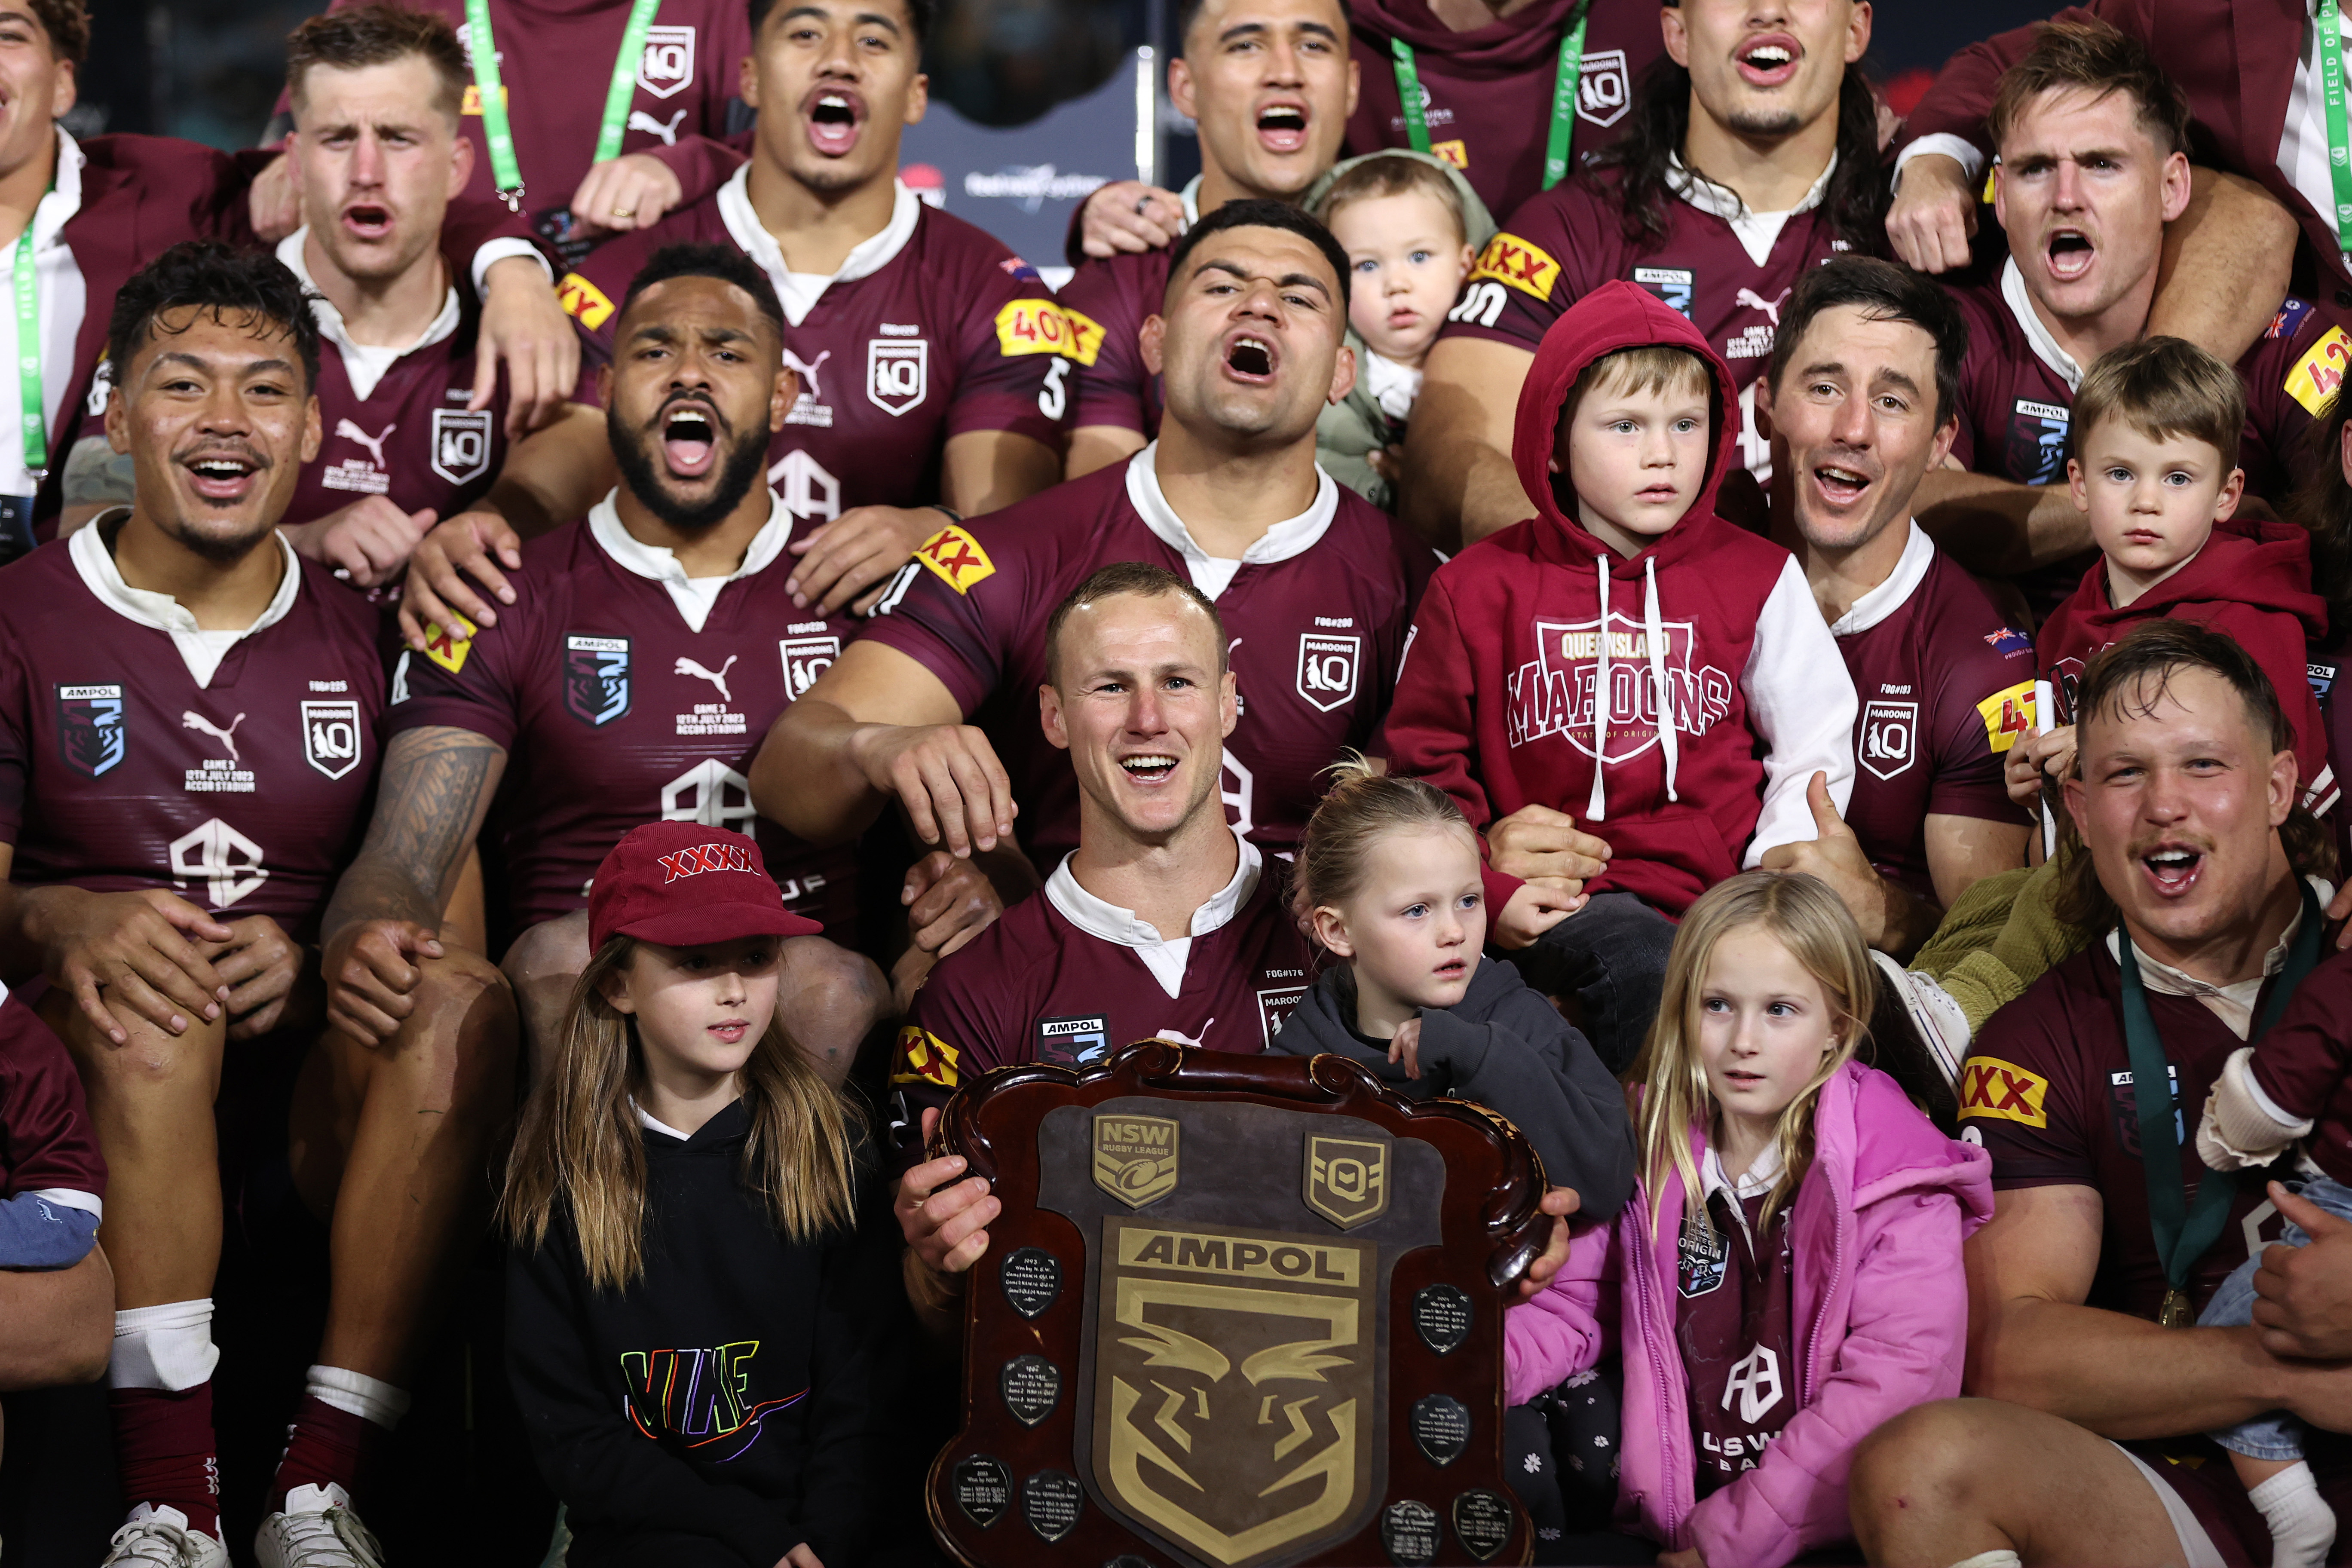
1164,956
694,596
1758,232
1212,574
798,292
364,365
201,650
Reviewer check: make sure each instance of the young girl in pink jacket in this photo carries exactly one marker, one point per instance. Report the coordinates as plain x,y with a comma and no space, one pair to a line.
1811,1290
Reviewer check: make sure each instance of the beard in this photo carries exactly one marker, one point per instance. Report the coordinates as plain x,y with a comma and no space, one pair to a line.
1774,123
742,461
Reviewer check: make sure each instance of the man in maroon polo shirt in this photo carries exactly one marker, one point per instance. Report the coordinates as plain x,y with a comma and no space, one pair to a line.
1754,160
1314,585
2184,798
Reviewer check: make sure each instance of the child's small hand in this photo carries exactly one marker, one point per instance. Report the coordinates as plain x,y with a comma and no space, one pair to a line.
1406,1048
1541,904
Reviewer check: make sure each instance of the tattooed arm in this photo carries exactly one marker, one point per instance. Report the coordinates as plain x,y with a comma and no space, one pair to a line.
437,787
98,478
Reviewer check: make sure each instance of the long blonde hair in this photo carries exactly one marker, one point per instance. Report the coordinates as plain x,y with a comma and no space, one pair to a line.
581,1143
1799,913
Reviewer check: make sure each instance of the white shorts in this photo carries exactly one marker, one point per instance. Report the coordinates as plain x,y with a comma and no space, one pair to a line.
2196,1548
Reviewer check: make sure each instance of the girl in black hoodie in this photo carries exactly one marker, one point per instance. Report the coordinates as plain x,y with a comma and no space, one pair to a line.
1388,877
698,1324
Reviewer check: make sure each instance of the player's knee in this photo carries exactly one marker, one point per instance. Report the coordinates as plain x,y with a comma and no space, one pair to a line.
552,951
152,1061
1929,1455
825,982
470,1032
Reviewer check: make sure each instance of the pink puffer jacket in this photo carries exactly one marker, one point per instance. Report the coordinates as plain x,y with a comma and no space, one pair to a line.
1879,1299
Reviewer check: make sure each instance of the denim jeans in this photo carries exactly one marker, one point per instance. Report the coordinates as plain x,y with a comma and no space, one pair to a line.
1610,955
2276,1435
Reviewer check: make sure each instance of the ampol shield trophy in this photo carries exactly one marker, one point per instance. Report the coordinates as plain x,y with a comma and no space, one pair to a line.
1238,1311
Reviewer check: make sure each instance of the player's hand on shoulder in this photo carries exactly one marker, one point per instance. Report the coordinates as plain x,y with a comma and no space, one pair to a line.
264,969
371,972
1129,216
852,557
274,202
526,336
1934,213
946,776
943,1213
131,957
472,544
368,542
631,191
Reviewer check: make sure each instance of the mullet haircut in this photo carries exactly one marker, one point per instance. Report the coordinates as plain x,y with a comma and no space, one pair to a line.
1884,292
68,26
215,279
1139,578
1259,212
2164,387
2127,680
375,35
723,262
919,17
1393,174
2098,58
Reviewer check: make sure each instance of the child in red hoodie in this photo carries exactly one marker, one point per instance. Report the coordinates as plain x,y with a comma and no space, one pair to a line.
1533,673
2156,424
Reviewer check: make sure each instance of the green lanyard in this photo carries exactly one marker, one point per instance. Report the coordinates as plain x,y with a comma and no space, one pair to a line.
29,395
2329,47
2183,1233
496,129
1563,97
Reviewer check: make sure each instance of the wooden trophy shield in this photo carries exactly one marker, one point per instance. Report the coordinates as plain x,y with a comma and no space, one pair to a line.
1238,1311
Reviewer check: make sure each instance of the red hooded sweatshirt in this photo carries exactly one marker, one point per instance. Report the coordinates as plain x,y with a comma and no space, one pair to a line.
2253,580
1496,703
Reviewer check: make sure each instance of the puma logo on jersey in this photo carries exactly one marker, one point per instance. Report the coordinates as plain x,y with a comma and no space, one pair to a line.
1755,301
1182,1038
640,120
717,678
374,444
195,720
806,370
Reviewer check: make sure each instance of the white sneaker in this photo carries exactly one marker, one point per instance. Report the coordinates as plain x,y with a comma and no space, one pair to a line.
1943,1028
317,1529
161,1537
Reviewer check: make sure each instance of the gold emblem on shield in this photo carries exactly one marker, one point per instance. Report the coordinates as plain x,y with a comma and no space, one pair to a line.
1347,1179
1135,1157
1235,1385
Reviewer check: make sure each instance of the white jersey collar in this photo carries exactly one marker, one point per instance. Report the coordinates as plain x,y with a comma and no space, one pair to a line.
364,364
1753,1183
799,291
64,198
658,564
1758,232
2232,1004
1918,554
1190,196
201,651
1164,957
2038,336
1212,573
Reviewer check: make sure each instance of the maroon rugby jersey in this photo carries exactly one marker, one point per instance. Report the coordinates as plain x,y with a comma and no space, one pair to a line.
1316,635
47,1143
1946,687
951,332
2017,413
1040,985
1487,92
246,795
1733,1325
1107,300
613,711
1570,239
555,61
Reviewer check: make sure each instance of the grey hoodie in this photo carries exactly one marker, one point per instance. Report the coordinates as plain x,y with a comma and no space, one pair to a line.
1506,1048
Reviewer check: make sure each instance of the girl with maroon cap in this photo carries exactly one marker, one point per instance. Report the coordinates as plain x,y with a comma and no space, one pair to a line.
697,1321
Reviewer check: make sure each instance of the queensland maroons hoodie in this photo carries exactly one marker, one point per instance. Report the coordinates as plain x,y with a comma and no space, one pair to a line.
1533,669
2252,580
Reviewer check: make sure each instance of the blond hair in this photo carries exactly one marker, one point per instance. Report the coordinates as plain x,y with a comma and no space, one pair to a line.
1799,913
581,1142
1393,174
1361,808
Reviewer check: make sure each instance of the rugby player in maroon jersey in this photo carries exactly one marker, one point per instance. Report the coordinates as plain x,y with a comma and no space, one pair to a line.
1860,403
186,755
1270,86
2185,802
1751,159
2095,170
556,58
650,647
1316,587
1163,920
929,355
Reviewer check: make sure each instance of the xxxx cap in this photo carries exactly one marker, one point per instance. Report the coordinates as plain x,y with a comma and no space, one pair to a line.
683,885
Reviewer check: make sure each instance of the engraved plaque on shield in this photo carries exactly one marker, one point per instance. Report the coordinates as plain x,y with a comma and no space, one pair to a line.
1031,1280
1032,1386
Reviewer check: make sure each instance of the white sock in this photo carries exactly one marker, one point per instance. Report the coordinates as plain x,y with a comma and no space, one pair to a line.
369,1398
2303,1527
2004,1558
168,1347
